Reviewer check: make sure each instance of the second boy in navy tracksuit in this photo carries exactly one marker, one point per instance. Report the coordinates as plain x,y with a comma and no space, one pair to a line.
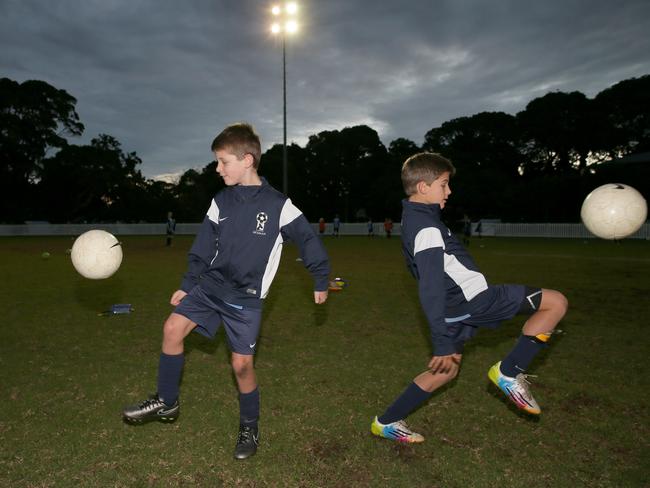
231,266
457,299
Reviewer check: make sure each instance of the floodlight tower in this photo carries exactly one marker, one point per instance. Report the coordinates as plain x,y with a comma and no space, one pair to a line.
285,22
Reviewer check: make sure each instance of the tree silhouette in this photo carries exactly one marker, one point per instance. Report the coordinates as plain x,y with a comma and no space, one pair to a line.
535,166
34,117
559,131
626,106
91,183
484,148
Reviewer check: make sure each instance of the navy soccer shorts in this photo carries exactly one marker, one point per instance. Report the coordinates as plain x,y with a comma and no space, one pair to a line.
491,307
242,325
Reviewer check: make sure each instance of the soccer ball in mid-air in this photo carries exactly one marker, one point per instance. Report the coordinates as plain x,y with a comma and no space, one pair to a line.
614,211
96,254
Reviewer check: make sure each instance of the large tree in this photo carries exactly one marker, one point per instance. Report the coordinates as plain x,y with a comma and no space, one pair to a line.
341,168
560,132
387,202
91,183
484,148
34,118
626,107
194,191
271,168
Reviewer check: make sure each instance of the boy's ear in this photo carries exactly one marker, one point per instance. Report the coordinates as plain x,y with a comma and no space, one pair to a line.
249,160
422,187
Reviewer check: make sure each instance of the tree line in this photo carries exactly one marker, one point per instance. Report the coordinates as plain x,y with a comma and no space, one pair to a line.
534,166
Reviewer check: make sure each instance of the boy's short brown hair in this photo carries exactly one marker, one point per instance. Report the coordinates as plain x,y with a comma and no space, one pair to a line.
240,139
424,166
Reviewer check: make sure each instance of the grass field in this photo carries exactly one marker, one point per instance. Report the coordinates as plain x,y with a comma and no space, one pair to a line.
324,372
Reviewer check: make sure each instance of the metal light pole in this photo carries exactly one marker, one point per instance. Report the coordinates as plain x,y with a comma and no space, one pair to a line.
285,176
286,24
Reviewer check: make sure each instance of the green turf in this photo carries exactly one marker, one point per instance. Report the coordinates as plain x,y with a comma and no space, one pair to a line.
324,373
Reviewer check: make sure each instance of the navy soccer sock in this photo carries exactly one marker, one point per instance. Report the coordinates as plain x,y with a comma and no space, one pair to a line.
526,348
404,404
170,369
249,408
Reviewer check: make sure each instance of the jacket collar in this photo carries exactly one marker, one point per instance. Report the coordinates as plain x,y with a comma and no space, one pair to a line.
246,192
428,208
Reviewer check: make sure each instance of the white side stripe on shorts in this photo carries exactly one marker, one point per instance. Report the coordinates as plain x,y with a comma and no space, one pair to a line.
530,299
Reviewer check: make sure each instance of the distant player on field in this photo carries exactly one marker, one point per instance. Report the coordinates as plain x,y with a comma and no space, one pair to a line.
388,227
336,225
457,300
171,229
231,266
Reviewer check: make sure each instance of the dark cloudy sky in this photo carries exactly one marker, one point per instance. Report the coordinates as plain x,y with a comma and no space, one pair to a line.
164,76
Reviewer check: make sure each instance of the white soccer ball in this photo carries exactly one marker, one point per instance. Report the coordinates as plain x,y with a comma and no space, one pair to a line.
614,211
96,254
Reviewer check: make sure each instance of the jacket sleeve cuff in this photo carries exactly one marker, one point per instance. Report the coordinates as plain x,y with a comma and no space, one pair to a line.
187,285
444,349
321,283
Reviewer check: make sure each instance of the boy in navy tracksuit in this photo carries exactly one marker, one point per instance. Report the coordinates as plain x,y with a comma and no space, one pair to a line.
457,300
231,266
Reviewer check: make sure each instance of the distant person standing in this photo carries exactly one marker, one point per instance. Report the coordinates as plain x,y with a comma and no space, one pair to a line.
479,229
336,224
388,227
321,226
371,228
171,228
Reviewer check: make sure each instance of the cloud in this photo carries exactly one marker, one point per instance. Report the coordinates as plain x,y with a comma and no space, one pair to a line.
165,77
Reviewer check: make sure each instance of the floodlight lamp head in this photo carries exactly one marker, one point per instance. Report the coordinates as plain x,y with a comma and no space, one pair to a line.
291,8
291,26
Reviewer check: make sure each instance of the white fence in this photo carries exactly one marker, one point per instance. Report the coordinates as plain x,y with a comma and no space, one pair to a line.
354,229
488,228
76,229
578,231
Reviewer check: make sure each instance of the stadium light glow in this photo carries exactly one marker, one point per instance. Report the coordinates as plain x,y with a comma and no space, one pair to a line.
291,26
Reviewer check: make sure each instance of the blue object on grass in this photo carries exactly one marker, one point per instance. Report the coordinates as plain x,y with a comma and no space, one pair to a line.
118,309
121,308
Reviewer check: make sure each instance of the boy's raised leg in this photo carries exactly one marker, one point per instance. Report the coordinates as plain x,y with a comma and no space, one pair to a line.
509,375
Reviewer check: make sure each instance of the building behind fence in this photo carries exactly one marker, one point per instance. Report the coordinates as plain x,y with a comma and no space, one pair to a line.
488,228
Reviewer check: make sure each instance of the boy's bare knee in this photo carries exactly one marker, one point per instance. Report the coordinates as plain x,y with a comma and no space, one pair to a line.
564,303
175,328
169,329
560,303
554,300
242,366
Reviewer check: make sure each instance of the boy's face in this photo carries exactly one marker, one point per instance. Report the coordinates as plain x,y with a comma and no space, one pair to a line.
438,191
230,168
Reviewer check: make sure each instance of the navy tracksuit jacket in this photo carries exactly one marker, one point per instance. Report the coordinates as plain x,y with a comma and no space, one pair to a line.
447,276
237,251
